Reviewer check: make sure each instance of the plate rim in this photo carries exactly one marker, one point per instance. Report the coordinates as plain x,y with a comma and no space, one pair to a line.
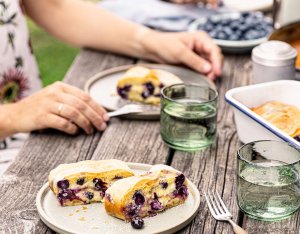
48,221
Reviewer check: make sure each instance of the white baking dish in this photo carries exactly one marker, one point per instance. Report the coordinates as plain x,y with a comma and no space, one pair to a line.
252,127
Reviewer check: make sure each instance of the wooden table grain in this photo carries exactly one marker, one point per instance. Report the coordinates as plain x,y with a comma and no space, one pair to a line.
133,141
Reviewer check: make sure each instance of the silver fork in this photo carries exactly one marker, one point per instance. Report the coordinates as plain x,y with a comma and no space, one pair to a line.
220,212
130,108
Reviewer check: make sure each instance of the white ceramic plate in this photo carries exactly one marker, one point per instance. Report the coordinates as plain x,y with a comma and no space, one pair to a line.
102,86
93,218
228,46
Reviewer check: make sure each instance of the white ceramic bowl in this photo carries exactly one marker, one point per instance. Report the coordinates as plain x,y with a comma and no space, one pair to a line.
252,127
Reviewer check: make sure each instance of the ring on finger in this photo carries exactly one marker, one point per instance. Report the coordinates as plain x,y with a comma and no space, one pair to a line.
60,108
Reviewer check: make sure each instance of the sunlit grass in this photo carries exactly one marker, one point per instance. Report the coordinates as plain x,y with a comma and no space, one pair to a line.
53,57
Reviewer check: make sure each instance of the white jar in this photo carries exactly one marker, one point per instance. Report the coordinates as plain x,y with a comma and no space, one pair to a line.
273,60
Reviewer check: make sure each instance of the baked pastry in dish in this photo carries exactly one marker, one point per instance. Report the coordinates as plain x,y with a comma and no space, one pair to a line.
147,194
283,116
141,84
86,181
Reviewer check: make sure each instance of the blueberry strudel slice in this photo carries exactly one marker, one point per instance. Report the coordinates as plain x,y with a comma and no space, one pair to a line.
141,84
86,181
147,194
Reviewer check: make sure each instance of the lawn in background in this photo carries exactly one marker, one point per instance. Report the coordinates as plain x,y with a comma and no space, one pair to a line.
53,57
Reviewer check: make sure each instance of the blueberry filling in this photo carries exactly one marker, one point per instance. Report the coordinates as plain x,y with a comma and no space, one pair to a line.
99,185
67,194
137,223
80,181
118,177
63,184
150,87
131,210
138,198
89,195
145,94
123,92
182,191
179,180
155,205
164,185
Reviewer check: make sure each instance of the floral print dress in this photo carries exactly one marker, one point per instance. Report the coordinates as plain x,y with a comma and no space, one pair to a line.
19,75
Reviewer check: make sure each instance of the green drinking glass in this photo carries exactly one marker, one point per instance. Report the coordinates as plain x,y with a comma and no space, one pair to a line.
188,116
268,185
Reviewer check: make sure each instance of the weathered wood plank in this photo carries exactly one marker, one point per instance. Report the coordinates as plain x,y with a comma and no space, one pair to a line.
44,151
214,168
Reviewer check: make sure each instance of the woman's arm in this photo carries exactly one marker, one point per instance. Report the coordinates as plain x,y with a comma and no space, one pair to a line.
85,24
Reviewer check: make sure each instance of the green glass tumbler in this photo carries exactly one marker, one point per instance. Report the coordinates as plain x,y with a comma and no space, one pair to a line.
188,116
268,185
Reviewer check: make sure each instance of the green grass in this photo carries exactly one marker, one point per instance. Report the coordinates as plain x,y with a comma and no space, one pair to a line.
53,57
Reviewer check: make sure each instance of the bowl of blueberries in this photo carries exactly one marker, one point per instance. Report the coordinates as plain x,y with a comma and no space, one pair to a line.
235,32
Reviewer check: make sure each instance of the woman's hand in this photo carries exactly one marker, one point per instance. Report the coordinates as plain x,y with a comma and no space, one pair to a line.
194,49
58,106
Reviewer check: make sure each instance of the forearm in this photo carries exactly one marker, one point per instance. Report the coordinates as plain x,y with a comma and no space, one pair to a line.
82,24
6,120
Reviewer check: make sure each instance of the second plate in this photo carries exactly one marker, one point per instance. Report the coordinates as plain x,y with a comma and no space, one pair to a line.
102,86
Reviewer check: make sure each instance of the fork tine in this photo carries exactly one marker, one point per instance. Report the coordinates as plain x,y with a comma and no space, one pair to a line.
217,201
210,207
213,202
222,203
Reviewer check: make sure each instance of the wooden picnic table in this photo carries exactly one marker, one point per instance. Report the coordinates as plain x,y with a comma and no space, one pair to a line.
133,141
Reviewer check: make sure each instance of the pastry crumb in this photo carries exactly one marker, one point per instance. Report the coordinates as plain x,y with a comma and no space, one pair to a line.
70,214
84,207
82,219
77,211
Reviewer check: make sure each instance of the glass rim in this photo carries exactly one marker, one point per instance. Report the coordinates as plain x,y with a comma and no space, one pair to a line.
255,164
189,85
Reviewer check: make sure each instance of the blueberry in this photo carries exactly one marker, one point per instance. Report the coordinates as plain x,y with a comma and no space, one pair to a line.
124,91
213,34
179,180
164,185
63,184
155,205
234,25
221,35
89,195
138,198
233,37
137,223
297,138
208,27
150,87
145,94
80,181
99,185
131,210
182,191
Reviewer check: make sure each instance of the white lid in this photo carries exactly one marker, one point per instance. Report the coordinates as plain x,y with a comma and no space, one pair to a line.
274,53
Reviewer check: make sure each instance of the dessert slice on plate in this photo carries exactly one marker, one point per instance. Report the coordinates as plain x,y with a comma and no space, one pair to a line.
141,84
144,195
86,181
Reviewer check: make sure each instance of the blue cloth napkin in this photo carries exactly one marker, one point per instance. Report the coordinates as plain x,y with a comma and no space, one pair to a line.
157,14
